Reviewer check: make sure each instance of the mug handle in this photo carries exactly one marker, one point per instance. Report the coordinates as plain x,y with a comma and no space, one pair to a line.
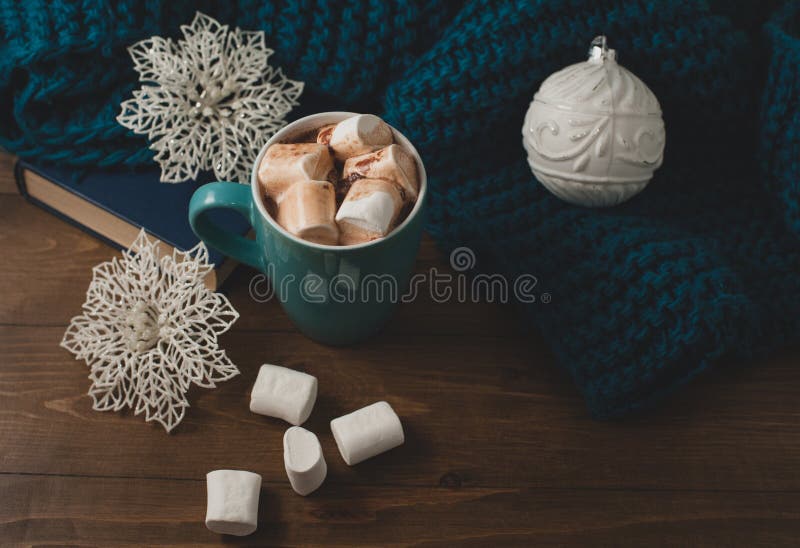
233,196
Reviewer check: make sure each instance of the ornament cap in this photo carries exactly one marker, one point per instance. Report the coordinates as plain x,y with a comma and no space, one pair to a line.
599,51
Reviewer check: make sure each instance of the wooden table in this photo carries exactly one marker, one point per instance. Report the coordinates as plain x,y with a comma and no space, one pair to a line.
499,448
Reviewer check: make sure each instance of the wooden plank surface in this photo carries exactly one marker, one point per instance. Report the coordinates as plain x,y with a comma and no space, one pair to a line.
7,183
500,450
44,509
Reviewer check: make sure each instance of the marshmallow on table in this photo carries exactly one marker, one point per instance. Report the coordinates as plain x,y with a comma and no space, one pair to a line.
369,211
367,432
285,164
283,393
302,456
232,501
358,135
307,210
392,163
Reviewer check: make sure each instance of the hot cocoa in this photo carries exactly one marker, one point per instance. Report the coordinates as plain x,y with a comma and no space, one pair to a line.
341,184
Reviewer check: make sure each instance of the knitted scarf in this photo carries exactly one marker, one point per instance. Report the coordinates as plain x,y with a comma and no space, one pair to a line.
701,266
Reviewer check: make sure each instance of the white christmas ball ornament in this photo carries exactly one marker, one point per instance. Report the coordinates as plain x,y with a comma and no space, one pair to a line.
594,132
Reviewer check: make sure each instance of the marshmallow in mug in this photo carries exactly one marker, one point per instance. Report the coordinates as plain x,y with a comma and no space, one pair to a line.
232,506
367,432
356,135
307,209
283,393
293,179
391,163
324,134
285,164
302,457
369,211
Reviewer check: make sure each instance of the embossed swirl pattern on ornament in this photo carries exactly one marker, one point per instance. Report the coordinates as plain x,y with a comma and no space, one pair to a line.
600,86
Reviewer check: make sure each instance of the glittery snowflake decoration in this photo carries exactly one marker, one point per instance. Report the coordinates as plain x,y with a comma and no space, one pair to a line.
149,331
214,100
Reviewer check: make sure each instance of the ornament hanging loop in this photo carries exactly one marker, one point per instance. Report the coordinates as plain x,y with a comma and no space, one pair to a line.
599,51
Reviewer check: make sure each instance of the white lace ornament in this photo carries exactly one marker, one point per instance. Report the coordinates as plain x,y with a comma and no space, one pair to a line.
215,100
149,331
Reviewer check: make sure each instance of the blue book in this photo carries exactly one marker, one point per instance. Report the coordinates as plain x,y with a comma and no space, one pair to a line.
114,206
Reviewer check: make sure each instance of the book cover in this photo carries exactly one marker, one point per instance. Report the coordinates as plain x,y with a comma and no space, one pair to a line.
114,206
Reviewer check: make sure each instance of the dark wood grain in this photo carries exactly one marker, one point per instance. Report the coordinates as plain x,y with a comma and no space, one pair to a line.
499,451
42,510
7,183
472,410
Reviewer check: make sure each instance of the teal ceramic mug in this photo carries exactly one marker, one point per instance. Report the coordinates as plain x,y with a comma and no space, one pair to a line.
334,294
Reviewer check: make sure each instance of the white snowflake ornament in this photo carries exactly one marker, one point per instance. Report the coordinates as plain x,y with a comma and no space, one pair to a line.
214,100
149,331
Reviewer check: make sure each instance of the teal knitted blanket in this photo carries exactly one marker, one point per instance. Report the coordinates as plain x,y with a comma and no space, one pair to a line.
702,265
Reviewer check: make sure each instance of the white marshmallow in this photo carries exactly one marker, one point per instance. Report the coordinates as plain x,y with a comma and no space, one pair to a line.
367,432
369,211
283,393
232,507
285,164
303,459
307,209
324,134
392,163
358,135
